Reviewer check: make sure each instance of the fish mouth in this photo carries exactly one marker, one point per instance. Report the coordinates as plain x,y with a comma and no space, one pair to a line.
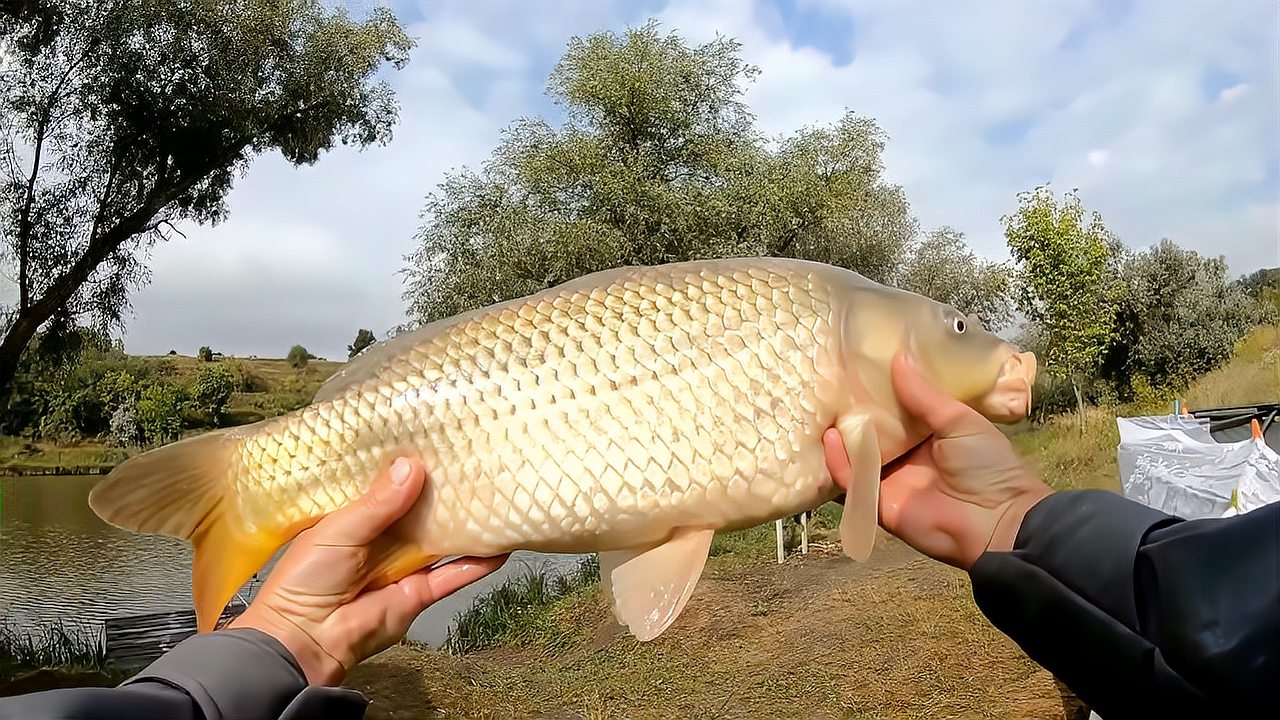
1010,400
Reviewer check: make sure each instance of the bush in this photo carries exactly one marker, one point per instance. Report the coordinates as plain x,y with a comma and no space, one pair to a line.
205,354
242,378
1179,318
213,387
160,410
298,356
364,338
126,431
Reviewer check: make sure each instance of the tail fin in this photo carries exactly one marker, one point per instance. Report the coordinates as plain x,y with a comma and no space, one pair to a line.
183,490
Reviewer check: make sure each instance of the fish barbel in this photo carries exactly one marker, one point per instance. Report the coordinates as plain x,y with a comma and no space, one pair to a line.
632,412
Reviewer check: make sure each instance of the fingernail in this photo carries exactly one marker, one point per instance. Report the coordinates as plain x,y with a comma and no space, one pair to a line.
400,470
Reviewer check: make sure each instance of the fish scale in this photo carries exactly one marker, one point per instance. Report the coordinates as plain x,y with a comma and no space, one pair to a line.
616,383
631,412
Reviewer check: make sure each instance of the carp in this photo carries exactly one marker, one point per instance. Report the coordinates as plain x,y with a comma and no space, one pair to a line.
632,412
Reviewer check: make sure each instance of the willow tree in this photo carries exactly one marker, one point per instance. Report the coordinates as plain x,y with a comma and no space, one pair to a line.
121,119
657,160
942,266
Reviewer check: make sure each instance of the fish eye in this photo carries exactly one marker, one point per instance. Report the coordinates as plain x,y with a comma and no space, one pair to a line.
958,325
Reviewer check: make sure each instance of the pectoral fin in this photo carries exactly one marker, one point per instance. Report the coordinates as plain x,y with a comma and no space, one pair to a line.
861,514
649,587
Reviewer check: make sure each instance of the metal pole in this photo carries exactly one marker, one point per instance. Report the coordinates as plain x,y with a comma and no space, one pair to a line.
778,526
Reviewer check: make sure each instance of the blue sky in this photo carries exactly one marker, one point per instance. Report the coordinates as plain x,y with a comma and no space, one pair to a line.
1164,113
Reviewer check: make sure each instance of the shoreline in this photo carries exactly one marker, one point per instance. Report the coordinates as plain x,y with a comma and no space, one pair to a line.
16,470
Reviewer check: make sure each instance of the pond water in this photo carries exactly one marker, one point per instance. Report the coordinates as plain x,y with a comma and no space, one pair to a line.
58,560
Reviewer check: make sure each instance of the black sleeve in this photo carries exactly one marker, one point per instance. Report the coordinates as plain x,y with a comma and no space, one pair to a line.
240,673
1141,613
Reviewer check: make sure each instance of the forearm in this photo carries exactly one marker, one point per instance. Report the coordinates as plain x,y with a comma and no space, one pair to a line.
225,674
1129,605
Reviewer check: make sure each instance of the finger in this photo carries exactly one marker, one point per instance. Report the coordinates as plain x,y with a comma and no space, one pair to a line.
920,397
405,599
837,458
391,495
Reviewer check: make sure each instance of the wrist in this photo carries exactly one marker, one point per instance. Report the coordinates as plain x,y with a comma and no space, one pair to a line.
1005,532
317,665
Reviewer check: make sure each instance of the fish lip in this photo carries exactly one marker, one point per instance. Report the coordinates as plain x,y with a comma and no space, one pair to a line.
1010,400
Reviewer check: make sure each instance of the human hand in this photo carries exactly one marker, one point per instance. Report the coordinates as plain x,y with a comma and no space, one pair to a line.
313,602
958,494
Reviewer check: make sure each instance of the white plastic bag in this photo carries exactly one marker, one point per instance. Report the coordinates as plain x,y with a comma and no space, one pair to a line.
1174,465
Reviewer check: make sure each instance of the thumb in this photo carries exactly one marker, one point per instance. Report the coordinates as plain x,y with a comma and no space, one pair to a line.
391,495
920,397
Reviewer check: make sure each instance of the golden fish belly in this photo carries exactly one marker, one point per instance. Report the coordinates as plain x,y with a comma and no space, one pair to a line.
595,416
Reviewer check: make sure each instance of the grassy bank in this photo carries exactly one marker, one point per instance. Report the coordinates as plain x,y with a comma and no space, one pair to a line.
523,610
265,388
21,457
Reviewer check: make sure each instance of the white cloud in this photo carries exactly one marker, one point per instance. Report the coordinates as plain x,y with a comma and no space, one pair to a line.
1233,92
1165,115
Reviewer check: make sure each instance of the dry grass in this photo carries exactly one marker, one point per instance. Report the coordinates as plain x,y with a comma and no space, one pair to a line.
821,636
1252,376
1068,459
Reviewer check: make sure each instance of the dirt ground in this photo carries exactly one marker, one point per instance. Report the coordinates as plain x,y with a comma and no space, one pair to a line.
820,636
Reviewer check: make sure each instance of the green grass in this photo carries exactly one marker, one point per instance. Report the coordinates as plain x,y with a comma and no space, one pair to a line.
20,457
525,610
63,646
760,542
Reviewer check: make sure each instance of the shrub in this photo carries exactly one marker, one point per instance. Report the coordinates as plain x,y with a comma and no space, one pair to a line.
298,356
213,387
126,431
160,409
364,338
205,354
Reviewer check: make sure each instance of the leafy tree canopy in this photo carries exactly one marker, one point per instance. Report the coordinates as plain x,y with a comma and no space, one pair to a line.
120,119
657,160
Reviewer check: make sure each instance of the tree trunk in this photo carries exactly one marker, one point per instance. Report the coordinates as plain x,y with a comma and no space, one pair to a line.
15,341
1075,386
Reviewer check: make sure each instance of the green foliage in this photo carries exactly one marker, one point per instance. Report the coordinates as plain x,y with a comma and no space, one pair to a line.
1259,280
364,338
213,387
1066,286
160,409
657,161
125,429
242,377
1264,287
205,354
944,268
521,609
123,119
1179,318
298,356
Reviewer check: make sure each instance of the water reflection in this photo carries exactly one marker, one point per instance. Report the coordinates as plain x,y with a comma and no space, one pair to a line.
58,560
